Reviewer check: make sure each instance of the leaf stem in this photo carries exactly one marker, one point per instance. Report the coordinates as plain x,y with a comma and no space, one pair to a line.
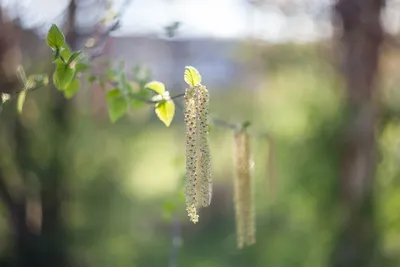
177,96
63,59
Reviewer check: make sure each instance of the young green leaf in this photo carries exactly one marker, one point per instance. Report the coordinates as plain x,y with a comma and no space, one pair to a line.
192,76
74,56
156,86
65,51
55,38
165,111
21,100
117,105
80,66
112,94
72,88
62,76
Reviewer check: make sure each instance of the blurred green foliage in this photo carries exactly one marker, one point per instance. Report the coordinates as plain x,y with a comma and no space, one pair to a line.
126,189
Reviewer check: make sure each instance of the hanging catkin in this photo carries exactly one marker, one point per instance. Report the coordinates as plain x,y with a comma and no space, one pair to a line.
205,157
244,208
198,159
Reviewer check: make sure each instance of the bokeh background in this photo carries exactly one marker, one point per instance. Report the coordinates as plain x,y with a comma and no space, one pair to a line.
317,79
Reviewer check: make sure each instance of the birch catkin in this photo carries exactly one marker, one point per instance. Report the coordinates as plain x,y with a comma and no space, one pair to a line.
205,157
198,159
244,208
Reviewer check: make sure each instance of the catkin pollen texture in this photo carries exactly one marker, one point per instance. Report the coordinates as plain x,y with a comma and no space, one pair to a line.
198,158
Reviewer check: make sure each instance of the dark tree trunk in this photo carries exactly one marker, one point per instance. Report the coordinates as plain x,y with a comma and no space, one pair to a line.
361,39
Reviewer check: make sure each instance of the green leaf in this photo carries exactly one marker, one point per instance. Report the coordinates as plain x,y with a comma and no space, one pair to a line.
72,88
165,111
65,52
62,76
55,38
157,87
117,105
192,76
21,101
114,93
82,66
74,56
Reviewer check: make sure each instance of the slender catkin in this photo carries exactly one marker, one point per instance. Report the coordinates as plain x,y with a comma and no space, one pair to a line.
243,193
198,159
204,149
191,153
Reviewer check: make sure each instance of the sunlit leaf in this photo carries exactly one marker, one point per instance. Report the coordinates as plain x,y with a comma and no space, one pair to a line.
62,76
192,76
157,87
55,38
117,105
165,111
21,101
72,88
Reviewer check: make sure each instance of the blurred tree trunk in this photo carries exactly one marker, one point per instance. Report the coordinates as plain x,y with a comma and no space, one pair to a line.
361,38
44,246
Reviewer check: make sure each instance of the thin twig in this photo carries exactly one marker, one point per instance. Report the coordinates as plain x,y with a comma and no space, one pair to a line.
225,124
148,101
177,96
103,38
14,95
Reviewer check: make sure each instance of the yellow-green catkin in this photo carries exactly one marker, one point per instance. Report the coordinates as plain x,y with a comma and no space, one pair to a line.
243,193
198,159
204,148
